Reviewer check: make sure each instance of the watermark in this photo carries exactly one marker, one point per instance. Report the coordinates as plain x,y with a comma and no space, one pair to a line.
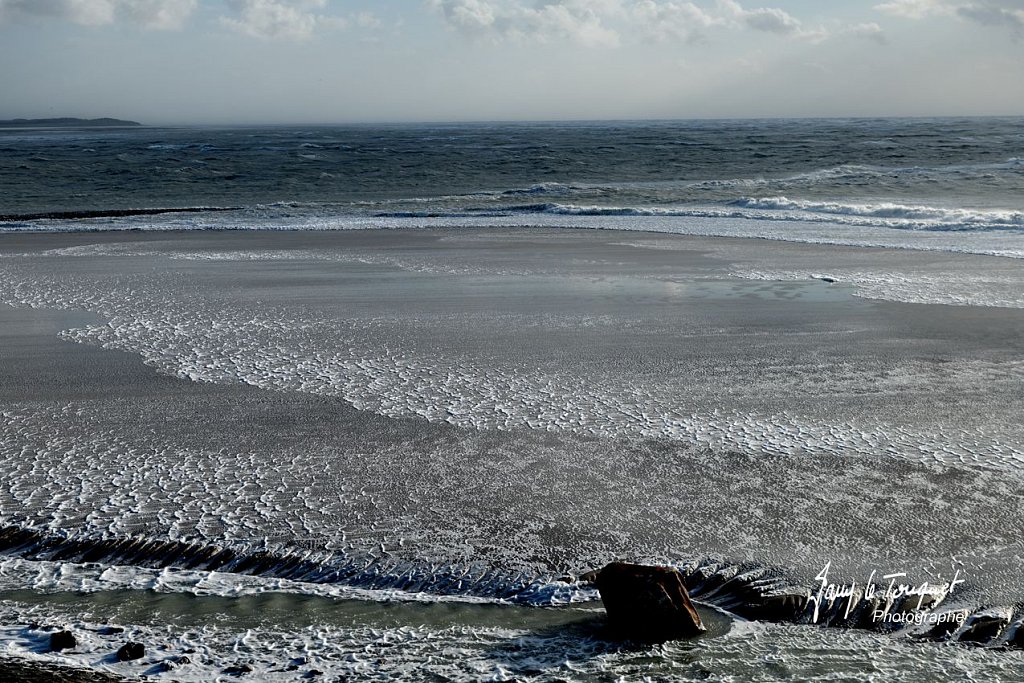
887,588
918,618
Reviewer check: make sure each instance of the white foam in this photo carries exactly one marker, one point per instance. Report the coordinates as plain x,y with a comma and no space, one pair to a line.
67,467
711,222
915,215
203,340
462,653
952,289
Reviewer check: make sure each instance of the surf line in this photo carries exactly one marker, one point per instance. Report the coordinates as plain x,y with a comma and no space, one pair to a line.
828,591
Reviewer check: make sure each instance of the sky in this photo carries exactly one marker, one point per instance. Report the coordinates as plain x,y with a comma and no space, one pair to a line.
339,61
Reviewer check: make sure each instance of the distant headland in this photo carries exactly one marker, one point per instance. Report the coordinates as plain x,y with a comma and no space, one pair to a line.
66,122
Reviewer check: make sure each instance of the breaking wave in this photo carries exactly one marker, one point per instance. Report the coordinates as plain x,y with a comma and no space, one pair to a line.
941,216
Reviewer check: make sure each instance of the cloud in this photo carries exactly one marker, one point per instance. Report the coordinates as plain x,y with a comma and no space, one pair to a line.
914,9
289,19
1002,13
577,21
153,14
771,20
284,19
467,15
870,30
604,22
993,14
673,20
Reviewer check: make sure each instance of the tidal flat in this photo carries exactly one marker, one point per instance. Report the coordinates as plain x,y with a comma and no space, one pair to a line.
474,415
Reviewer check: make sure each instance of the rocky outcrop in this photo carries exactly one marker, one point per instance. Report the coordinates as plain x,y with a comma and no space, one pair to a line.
62,640
130,651
648,604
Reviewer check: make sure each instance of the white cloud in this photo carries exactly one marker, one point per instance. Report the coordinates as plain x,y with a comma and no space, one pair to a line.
1009,14
914,9
605,22
673,20
154,14
771,20
286,19
574,20
1005,13
294,19
467,15
870,30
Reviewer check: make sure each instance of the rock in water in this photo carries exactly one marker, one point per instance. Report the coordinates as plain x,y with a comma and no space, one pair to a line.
645,603
62,640
130,651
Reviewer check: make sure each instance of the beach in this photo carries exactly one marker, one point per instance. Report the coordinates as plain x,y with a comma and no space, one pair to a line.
472,415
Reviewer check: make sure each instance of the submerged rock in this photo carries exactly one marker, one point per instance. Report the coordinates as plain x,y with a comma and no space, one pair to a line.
130,651
648,604
985,626
943,624
62,640
1016,637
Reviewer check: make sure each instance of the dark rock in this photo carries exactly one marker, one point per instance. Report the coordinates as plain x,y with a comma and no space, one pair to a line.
945,624
870,613
62,640
238,670
1016,639
110,630
173,663
827,279
775,607
313,673
130,651
986,625
648,604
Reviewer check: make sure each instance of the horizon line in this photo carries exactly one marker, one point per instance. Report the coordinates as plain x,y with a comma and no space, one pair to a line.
523,121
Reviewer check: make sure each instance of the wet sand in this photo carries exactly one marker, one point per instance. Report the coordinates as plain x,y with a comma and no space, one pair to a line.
775,343
597,327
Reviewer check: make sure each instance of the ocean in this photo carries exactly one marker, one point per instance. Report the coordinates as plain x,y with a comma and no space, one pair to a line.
363,402
885,182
